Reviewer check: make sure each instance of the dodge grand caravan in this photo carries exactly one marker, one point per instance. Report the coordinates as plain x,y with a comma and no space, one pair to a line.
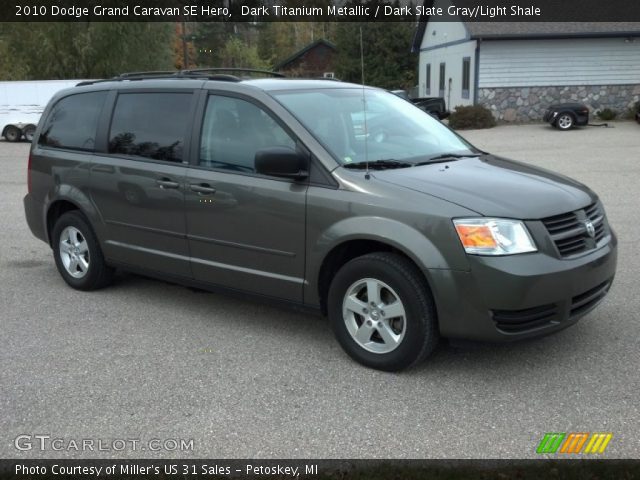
337,197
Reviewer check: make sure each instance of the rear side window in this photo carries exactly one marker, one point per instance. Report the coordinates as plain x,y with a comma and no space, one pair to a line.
72,122
151,125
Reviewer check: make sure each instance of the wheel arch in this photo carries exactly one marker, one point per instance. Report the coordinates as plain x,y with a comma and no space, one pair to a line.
354,246
56,209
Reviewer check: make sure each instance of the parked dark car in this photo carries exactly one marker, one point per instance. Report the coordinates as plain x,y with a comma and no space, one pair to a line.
277,188
567,115
638,112
434,106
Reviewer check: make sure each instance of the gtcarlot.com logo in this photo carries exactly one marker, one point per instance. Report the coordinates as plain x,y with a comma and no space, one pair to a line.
47,442
582,442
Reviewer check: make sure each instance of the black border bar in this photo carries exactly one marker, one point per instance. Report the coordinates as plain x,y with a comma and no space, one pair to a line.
331,10
570,469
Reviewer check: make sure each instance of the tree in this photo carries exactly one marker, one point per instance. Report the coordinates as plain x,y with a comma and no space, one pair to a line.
10,69
88,49
281,39
181,40
388,61
237,54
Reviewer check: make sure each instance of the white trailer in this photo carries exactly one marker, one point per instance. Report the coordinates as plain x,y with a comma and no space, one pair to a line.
22,103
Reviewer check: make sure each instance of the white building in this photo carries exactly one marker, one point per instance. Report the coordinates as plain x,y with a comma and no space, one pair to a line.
517,69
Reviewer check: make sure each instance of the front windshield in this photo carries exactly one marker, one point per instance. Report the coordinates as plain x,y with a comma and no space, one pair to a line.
389,128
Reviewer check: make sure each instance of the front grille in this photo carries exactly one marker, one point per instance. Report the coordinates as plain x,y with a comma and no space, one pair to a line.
517,321
569,231
589,299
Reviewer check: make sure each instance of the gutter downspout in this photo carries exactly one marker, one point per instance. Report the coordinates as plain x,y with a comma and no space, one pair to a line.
476,71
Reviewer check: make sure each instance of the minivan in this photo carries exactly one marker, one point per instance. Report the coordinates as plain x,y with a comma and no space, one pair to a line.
337,197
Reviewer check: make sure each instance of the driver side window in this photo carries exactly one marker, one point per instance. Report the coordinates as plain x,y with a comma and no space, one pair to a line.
234,130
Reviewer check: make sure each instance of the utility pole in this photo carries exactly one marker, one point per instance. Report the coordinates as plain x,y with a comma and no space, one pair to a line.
185,52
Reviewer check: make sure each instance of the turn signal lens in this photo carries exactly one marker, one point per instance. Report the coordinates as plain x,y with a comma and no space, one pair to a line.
476,236
493,236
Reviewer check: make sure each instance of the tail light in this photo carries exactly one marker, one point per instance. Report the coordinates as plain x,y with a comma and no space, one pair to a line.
29,173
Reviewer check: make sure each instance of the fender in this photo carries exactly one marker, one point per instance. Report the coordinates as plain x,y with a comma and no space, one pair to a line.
413,243
81,200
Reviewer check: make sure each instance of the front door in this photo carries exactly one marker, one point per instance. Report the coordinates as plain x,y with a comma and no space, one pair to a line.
245,231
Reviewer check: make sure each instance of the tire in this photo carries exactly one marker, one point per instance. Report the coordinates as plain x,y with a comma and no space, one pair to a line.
368,333
565,121
77,253
28,132
12,133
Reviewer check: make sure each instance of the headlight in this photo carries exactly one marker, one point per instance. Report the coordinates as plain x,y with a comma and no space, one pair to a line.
493,236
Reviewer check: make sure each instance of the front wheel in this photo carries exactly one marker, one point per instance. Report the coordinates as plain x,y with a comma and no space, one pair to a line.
565,121
12,133
77,253
382,313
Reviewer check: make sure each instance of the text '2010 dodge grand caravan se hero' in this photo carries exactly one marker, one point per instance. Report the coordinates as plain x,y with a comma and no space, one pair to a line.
338,197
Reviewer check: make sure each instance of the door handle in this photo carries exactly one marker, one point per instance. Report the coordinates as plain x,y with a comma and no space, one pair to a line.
202,189
166,183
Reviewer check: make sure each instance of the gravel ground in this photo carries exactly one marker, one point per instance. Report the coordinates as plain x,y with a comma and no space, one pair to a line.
146,360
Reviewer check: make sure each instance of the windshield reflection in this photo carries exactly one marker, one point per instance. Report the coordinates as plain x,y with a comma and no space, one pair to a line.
368,125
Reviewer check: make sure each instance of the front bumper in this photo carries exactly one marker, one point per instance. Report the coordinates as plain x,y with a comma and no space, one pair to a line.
521,296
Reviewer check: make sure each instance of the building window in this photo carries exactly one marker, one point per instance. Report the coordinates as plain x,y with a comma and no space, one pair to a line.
466,76
427,90
441,80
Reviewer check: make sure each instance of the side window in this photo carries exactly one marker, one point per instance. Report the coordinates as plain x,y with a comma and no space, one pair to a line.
427,89
466,76
441,80
72,122
151,125
234,130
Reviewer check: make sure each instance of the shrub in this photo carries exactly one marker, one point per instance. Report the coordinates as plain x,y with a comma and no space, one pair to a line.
630,113
606,114
473,116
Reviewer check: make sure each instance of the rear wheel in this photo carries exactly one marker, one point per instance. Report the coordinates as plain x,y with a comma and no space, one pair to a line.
382,313
12,134
77,253
28,132
565,121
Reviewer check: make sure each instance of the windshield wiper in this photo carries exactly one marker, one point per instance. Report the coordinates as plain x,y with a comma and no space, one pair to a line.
446,157
379,164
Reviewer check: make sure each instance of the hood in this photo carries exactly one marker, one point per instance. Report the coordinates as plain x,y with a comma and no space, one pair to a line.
495,187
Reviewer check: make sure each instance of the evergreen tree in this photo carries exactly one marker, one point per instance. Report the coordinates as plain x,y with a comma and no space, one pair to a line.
388,61
88,49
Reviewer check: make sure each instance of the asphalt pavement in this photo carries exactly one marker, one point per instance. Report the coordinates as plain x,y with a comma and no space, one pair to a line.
145,359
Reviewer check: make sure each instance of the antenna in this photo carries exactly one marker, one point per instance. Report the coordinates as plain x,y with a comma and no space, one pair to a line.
364,111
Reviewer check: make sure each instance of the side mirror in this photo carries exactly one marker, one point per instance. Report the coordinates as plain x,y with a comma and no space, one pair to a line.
281,162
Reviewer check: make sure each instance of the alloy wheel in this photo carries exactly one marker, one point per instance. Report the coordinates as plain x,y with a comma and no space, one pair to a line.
74,252
374,315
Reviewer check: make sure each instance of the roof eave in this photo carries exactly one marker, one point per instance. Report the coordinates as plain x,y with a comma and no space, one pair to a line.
554,36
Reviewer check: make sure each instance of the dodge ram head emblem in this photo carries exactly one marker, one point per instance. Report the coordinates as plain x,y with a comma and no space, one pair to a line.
591,230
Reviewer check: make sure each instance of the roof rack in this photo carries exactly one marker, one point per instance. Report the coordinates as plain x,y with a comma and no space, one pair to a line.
198,73
240,70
